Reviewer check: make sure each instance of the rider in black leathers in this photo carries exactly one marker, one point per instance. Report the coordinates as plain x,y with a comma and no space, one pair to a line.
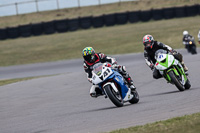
186,39
198,35
150,47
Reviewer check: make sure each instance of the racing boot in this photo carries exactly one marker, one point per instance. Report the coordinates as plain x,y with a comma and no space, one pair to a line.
122,70
184,66
95,91
98,91
130,83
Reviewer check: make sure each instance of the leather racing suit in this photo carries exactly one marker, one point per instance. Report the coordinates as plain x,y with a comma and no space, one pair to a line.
186,40
100,57
149,55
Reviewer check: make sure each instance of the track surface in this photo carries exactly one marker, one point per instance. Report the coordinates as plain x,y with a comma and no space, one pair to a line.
61,103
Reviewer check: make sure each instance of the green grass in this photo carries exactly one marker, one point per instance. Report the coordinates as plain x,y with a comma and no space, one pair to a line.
9,81
91,11
185,124
110,40
118,39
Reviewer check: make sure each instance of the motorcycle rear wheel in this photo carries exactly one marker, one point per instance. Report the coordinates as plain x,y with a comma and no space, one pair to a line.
135,98
115,98
193,50
176,81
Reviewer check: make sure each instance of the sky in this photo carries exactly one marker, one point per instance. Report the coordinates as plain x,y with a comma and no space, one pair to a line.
8,7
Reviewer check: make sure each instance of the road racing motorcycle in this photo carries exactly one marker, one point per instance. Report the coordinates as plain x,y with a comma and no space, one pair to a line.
113,85
171,69
191,46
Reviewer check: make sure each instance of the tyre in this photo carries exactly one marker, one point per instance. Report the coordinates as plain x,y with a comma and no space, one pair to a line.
188,49
175,80
113,96
193,50
135,98
187,84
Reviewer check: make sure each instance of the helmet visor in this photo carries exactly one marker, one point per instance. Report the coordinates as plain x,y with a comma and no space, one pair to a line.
89,58
147,44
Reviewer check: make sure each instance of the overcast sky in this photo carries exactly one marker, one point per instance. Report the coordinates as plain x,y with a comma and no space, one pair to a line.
28,6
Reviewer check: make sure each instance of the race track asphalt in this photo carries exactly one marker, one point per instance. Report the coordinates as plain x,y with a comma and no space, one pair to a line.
60,103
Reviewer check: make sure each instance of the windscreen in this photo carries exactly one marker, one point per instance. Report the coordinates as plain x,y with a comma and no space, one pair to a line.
159,52
97,68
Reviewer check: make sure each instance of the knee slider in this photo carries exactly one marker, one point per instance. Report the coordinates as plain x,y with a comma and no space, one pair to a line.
155,76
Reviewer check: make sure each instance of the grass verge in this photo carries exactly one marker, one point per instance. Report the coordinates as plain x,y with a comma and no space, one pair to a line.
9,81
11,21
118,39
185,124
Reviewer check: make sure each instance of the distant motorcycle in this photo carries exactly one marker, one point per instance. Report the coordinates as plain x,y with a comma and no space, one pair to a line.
171,69
113,85
191,46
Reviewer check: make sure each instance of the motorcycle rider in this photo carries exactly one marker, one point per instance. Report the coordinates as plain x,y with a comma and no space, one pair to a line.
91,58
186,39
150,47
198,36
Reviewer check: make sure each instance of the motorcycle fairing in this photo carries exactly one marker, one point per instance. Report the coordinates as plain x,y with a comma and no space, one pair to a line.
164,61
117,77
120,81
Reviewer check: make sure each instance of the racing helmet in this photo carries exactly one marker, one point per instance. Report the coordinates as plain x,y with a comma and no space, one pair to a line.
185,33
88,54
148,41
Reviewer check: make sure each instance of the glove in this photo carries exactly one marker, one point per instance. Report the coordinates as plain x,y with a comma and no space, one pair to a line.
90,80
115,66
173,52
152,66
113,61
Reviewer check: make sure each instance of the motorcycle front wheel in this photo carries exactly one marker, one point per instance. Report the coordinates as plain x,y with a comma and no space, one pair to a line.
187,84
176,81
114,96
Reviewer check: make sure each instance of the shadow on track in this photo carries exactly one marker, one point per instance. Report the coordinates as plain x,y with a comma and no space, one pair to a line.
97,109
170,92
163,93
89,111
112,107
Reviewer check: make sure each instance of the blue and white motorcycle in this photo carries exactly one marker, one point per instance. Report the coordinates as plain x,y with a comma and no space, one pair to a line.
113,85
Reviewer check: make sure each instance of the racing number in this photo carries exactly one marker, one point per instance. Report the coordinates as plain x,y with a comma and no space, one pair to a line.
94,77
106,72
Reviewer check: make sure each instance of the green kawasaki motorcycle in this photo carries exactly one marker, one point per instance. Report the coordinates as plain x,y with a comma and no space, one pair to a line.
171,69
